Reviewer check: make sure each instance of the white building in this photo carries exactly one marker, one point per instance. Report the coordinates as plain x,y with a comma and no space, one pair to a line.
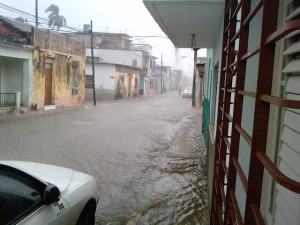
117,73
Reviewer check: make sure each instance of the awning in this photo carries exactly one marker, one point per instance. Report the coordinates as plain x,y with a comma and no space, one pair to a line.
179,20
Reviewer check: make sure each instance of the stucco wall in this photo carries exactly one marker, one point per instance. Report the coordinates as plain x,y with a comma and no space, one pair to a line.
121,57
104,75
104,81
128,88
16,72
65,55
56,42
61,80
11,75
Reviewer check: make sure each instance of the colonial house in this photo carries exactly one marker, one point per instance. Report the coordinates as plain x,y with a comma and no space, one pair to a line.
117,73
251,102
148,82
45,68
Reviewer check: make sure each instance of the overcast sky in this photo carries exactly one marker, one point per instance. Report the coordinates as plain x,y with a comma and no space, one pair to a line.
115,16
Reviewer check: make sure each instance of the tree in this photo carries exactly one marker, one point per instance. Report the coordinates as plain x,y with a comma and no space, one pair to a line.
55,20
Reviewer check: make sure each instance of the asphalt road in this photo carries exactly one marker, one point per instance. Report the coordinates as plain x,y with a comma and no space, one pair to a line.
146,154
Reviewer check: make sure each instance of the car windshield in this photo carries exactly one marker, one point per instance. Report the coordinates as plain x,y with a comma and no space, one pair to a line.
96,87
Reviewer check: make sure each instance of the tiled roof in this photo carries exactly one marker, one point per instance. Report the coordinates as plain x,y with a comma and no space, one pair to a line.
23,27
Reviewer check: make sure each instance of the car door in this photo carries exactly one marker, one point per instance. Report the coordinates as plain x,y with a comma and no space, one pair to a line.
56,213
22,200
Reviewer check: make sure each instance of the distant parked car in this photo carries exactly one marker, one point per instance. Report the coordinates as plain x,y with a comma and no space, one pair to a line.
40,194
187,93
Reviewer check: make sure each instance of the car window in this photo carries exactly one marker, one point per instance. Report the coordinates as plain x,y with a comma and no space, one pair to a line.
18,196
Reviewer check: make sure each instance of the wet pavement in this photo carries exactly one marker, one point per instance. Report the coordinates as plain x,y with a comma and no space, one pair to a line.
146,154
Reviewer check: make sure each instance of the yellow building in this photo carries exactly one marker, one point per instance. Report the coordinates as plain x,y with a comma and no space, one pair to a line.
40,68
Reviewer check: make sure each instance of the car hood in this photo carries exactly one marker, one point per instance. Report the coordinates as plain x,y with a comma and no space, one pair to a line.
59,176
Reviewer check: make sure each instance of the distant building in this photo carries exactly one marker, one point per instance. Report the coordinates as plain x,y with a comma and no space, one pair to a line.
103,40
117,73
148,82
168,79
122,69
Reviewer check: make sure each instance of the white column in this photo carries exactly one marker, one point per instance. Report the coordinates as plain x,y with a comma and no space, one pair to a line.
18,100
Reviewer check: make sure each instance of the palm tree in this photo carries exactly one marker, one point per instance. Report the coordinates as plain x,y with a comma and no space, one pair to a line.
55,20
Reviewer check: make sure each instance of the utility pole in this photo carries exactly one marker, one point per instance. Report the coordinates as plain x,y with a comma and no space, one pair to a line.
194,47
93,67
36,13
194,78
161,63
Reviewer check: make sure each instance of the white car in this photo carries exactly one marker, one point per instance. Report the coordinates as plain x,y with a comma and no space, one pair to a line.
187,93
40,194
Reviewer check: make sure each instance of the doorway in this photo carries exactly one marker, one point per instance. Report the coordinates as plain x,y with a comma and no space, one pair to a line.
48,84
129,87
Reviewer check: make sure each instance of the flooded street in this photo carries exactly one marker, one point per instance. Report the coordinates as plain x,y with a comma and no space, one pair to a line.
146,154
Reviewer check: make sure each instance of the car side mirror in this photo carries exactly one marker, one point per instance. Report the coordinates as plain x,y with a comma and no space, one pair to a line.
51,194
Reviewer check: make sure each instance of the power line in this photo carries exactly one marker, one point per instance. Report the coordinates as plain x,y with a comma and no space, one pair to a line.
31,17
42,21
19,12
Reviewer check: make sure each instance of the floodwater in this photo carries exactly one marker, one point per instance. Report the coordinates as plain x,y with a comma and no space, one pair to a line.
146,154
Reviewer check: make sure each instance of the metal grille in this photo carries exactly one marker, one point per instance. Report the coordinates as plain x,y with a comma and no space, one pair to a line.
7,100
238,16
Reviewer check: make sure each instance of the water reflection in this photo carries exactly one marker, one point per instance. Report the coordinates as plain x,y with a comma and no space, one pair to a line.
169,185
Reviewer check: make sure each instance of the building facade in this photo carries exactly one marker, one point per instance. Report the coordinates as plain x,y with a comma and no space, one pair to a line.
117,74
44,67
148,81
131,66
251,106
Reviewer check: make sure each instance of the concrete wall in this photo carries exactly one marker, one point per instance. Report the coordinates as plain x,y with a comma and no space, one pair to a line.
127,85
61,79
66,55
121,57
114,81
16,72
105,75
11,75
56,42
103,40
101,95
211,98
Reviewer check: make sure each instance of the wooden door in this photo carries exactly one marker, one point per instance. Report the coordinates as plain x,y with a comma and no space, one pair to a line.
129,87
48,84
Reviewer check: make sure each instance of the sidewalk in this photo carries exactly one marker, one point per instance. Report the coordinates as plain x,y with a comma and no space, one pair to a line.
87,104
